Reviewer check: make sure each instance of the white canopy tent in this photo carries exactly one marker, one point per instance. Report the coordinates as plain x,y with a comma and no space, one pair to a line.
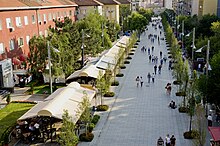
66,98
87,71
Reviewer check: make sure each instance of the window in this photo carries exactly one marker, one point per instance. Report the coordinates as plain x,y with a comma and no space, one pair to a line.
20,42
54,16
49,16
70,13
58,14
8,22
27,39
39,18
33,19
45,17
45,33
2,50
0,25
64,14
25,20
18,21
12,44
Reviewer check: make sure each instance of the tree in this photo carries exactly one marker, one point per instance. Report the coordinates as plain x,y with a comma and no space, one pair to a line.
200,125
84,111
137,22
185,80
100,83
38,55
67,136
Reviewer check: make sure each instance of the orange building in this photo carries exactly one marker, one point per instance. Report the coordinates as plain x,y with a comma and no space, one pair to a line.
20,20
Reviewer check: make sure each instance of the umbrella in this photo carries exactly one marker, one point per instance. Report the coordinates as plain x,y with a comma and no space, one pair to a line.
16,61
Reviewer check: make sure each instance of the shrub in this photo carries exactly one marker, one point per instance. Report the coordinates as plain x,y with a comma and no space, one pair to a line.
129,57
126,62
135,46
5,136
102,107
115,83
95,119
177,82
131,53
122,66
183,109
109,94
191,134
91,127
86,137
181,93
119,75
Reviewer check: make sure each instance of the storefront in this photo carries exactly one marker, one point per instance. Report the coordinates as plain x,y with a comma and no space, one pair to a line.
6,75
215,133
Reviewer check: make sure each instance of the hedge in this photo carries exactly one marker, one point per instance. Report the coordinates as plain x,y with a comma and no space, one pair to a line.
102,107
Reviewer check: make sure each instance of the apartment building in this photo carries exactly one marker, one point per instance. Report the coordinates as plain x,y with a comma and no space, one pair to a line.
202,7
20,20
87,6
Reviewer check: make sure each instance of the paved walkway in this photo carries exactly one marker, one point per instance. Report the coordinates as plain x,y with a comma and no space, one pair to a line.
139,116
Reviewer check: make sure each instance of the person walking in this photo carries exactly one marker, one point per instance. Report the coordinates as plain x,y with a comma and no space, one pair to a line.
149,58
153,76
161,54
209,120
168,88
152,49
159,69
172,141
160,142
141,81
167,140
148,76
155,69
137,80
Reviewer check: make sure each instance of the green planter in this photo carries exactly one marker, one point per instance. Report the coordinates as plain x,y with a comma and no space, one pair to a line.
177,82
123,67
194,134
126,62
95,119
119,75
181,93
86,137
129,58
115,83
102,107
183,109
109,94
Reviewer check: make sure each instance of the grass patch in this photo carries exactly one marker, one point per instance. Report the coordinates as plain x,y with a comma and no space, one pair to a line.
10,114
43,89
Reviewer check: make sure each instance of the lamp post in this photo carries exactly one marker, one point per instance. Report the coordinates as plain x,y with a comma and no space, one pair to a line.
83,46
182,34
49,63
193,47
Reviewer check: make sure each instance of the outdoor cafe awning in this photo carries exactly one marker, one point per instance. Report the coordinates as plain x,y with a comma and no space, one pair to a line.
87,71
215,133
66,98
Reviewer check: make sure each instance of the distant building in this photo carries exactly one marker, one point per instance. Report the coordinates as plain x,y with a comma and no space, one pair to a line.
202,7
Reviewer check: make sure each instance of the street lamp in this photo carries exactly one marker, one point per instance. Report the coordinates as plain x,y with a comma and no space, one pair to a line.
49,65
83,46
193,48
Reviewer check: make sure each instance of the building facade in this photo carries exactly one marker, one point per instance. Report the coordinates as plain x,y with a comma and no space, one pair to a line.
202,7
21,20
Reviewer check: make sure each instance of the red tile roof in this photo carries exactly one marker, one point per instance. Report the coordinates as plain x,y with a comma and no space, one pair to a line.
86,3
108,2
11,3
123,1
34,3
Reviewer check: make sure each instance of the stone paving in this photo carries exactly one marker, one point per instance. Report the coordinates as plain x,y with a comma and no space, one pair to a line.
138,116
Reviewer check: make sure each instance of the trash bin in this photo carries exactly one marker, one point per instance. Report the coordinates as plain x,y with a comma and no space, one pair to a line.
160,142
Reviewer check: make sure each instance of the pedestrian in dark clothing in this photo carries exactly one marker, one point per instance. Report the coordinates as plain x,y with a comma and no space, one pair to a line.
170,65
172,141
153,76
141,80
148,76
152,49
160,142
159,69
161,54
149,58
155,69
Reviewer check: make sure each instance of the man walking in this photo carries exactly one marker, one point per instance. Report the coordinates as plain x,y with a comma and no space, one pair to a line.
153,76
141,80
155,69
148,76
